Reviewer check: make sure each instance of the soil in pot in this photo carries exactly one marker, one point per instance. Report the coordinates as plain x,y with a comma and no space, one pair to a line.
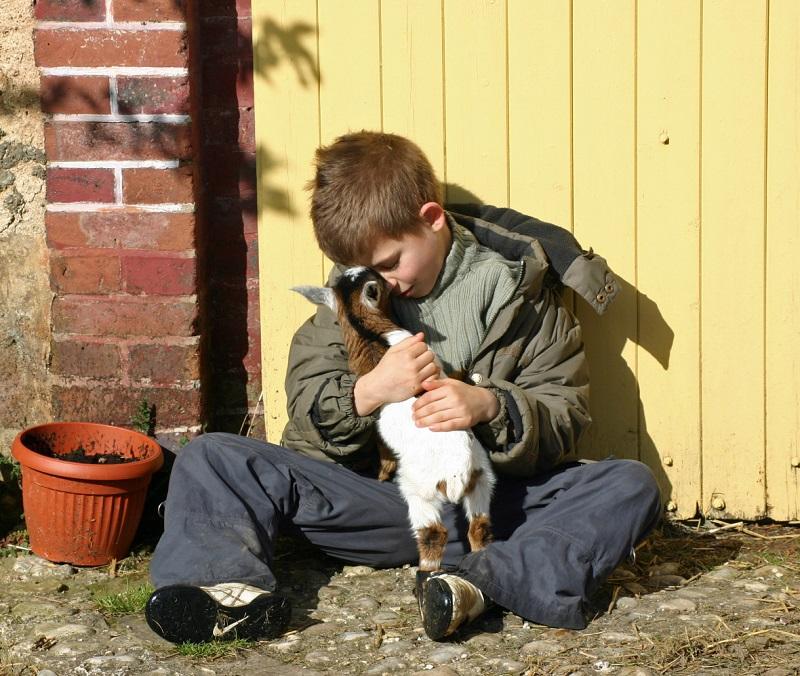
78,454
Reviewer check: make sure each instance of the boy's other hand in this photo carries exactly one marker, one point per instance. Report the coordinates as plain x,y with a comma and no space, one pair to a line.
398,375
450,404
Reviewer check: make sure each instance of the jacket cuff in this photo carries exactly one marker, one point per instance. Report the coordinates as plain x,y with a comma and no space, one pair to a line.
499,433
344,404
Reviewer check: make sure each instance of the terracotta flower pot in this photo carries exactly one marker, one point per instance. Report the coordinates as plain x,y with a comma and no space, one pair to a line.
77,512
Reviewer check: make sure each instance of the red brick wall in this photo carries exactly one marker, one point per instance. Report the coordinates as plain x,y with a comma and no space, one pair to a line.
151,216
121,221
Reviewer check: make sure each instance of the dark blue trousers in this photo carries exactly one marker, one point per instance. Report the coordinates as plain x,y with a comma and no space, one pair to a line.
557,536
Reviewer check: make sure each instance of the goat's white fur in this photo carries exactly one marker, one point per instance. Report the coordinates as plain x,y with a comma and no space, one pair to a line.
425,458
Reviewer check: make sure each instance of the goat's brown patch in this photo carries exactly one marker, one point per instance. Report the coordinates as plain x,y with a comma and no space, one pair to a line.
442,487
480,532
431,541
473,480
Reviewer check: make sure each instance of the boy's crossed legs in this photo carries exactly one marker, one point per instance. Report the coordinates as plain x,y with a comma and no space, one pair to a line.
556,538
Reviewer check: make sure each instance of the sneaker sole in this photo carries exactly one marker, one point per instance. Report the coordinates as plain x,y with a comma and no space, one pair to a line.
185,614
437,615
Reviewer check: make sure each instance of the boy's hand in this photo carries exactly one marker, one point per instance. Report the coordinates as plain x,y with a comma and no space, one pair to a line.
452,405
398,376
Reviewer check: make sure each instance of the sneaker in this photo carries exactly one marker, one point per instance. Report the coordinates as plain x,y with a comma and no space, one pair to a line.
446,602
227,611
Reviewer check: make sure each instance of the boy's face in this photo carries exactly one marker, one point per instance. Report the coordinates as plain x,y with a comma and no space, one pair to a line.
411,265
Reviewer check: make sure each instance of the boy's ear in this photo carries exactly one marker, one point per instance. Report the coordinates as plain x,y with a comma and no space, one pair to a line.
433,214
319,295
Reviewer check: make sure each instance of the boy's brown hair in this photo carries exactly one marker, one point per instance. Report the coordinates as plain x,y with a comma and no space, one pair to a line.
368,185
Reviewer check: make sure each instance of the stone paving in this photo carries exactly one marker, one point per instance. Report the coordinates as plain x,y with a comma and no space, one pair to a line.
701,604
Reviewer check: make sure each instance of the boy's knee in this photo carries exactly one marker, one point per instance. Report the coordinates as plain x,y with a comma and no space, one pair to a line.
204,449
634,478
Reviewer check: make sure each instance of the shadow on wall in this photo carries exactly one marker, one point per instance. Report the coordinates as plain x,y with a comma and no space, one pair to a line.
230,160
604,351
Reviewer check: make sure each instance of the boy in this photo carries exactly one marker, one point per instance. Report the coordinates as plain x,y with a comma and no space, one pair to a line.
492,313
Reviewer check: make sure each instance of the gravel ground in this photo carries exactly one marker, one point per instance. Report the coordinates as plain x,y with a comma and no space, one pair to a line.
693,602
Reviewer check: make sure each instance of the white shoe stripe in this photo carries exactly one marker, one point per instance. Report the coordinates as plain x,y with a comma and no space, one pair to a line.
233,594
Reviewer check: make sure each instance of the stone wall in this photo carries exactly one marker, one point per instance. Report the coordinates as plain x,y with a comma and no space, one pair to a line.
25,295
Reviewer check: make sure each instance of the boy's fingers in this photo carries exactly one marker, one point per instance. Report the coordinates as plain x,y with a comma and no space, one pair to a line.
428,371
431,385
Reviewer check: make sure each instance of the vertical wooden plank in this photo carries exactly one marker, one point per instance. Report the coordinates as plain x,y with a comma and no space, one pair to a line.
349,52
412,75
539,109
668,242
350,70
604,132
783,272
475,100
287,132
732,250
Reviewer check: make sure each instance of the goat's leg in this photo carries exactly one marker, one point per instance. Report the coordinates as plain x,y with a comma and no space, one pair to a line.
431,541
388,462
476,504
431,535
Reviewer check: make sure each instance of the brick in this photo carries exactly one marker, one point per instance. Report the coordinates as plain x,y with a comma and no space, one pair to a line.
117,141
108,47
158,276
124,317
227,213
85,274
70,94
80,185
227,85
228,8
230,40
91,360
230,128
232,174
124,228
153,95
164,364
150,10
118,405
235,257
157,186
70,10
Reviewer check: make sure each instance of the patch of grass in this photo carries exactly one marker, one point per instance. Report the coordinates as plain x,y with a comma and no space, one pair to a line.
132,600
213,649
18,537
773,558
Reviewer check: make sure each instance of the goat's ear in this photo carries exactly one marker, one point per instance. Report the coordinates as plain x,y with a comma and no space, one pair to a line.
319,295
370,294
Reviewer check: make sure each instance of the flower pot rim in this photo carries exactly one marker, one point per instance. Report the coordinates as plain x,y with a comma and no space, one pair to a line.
88,471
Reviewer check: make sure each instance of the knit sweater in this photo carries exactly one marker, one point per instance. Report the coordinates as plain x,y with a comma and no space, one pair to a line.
473,286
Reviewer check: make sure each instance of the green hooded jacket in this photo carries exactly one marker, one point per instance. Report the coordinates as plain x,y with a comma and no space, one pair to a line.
531,357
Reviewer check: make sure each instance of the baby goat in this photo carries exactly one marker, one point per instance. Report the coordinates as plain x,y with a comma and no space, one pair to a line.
433,467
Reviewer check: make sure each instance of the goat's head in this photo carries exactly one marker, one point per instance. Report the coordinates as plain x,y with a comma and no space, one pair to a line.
361,301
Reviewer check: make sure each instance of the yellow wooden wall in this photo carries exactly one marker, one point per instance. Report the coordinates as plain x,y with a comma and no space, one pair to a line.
665,135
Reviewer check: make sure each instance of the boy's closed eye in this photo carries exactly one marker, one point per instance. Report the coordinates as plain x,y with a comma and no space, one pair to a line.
388,266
